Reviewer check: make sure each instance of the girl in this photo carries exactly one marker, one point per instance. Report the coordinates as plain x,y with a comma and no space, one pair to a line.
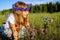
17,20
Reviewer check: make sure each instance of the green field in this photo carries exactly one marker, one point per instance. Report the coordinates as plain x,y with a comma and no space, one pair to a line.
36,21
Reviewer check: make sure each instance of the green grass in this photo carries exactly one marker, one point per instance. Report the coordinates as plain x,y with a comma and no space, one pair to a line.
36,19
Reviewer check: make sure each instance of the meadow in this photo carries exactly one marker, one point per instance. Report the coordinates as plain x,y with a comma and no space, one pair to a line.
38,20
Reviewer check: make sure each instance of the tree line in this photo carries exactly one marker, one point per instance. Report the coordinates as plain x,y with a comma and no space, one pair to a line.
49,7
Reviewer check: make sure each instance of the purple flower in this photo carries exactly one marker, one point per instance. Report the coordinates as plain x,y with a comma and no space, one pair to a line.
46,18
32,29
32,33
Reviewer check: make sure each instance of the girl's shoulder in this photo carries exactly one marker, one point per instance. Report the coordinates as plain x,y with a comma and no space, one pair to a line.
10,18
11,15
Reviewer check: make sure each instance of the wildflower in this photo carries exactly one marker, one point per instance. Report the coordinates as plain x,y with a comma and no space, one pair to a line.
51,20
57,26
46,18
32,33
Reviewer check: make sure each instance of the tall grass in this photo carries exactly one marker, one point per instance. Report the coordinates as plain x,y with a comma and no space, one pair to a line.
36,21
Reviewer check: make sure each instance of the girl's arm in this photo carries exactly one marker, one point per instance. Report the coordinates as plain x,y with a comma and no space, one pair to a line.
14,31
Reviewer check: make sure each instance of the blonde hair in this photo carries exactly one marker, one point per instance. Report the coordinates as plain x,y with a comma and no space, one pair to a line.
20,20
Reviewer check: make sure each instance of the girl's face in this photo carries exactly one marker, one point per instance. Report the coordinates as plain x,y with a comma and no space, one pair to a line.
23,13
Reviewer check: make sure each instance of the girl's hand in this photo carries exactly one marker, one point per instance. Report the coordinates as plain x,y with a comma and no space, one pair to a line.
9,34
15,38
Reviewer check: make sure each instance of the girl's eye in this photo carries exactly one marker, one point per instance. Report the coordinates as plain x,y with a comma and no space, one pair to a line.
25,10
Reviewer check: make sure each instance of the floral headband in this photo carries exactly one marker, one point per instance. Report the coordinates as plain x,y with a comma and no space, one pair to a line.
20,8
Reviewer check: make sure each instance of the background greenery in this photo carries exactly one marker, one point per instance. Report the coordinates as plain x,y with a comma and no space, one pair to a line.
37,14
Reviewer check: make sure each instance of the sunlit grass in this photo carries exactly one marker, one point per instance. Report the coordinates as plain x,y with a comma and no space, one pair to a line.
37,19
